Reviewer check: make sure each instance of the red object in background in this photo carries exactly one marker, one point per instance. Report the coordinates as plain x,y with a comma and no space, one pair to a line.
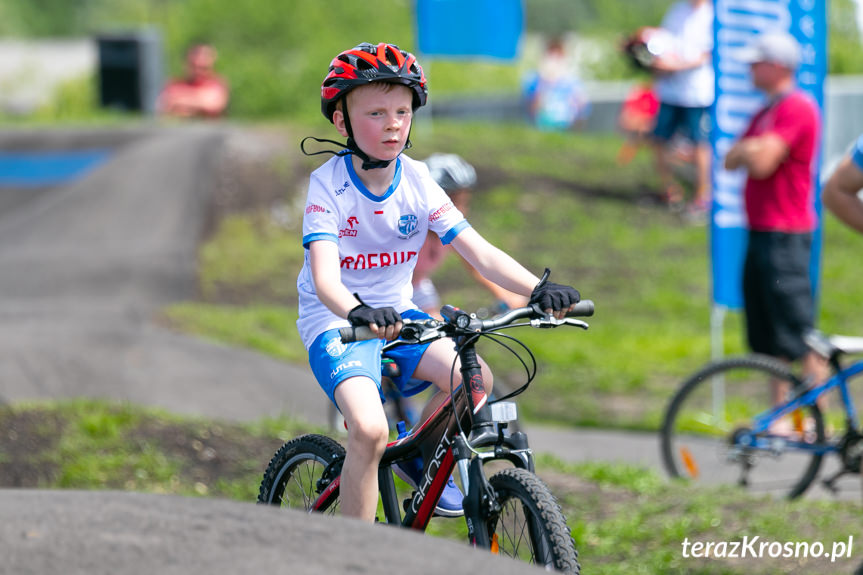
639,109
637,118
201,92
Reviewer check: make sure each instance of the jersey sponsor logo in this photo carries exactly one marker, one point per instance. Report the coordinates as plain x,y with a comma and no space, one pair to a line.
345,186
440,212
343,366
350,231
378,260
314,208
335,347
407,226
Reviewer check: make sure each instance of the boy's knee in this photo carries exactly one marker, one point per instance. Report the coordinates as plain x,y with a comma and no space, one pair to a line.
370,434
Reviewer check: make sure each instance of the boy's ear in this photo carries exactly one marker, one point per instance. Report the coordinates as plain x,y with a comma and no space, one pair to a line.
339,123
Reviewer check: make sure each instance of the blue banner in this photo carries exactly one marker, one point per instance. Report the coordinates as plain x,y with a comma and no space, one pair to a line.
467,28
737,23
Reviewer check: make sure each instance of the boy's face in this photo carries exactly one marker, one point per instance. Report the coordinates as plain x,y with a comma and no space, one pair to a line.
380,118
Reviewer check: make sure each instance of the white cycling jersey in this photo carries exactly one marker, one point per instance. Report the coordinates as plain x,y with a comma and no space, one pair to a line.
379,237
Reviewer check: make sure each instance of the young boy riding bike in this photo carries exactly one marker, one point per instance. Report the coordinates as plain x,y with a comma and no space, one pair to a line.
367,215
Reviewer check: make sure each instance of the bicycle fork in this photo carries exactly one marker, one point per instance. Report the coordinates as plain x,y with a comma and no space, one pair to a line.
480,503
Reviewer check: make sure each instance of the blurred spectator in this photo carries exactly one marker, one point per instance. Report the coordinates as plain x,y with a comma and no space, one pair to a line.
841,192
556,98
683,73
778,150
637,119
201,92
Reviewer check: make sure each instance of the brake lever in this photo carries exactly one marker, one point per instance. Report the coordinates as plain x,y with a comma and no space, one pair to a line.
550,321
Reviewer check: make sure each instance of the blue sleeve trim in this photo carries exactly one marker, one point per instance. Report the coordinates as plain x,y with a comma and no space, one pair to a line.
453,232
319,236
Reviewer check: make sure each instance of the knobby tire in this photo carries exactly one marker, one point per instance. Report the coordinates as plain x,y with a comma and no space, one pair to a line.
293,474
531,526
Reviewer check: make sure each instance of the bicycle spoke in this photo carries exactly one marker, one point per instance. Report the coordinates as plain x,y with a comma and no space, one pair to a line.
514,532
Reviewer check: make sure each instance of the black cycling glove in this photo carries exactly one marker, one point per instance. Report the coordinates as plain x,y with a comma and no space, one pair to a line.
549,295
365,315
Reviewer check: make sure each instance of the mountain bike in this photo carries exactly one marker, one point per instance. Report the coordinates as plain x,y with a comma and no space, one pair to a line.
511,513
721,426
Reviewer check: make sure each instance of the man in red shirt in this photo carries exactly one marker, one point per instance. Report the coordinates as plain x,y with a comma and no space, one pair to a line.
779,151
201,93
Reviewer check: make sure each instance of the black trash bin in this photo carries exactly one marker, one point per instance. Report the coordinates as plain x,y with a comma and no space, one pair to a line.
130,70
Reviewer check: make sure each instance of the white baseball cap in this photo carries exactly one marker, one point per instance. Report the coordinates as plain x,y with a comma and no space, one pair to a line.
774,47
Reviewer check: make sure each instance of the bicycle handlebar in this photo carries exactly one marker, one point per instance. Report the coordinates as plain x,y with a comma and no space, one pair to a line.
459,319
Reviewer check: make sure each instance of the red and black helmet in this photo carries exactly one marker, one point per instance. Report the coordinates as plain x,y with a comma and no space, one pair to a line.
368,63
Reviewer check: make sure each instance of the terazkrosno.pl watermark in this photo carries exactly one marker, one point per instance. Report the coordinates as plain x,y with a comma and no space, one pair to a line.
757,548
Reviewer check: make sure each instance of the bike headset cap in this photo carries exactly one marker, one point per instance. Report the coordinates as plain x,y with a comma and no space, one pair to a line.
451,172
363,65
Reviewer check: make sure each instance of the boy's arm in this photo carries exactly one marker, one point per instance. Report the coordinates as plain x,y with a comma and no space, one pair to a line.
494,264
840,194
512,300
499,267
324,260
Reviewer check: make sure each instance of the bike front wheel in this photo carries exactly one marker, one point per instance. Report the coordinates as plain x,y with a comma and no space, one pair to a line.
707,434
530,526
300,471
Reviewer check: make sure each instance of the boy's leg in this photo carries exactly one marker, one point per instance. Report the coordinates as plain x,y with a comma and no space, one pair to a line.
436,365
360,403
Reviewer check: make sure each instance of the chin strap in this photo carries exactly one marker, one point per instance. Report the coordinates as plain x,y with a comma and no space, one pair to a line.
348,148
351,147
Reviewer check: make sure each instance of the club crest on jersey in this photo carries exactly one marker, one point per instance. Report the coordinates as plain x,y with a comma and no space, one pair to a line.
407,226
335,347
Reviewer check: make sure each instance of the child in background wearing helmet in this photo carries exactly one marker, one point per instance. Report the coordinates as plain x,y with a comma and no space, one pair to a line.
367,215
457,177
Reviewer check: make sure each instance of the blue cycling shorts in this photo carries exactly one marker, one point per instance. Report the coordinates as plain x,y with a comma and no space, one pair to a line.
333,362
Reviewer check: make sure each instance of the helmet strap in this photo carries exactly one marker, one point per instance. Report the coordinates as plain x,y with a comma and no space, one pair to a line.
368,163
351,145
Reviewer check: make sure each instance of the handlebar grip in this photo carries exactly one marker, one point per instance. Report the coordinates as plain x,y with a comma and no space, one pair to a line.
584,308
358,333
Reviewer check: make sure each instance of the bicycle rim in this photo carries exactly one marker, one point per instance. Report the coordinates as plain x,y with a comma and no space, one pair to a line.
701,436
530,526
299,472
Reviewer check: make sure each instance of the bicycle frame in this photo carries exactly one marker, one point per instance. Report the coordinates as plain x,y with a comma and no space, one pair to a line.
840,378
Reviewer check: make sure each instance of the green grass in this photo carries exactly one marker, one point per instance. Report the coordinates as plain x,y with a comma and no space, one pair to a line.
554,200
268,329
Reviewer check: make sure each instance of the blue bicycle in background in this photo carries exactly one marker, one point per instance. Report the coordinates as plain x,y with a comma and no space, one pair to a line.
722,427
